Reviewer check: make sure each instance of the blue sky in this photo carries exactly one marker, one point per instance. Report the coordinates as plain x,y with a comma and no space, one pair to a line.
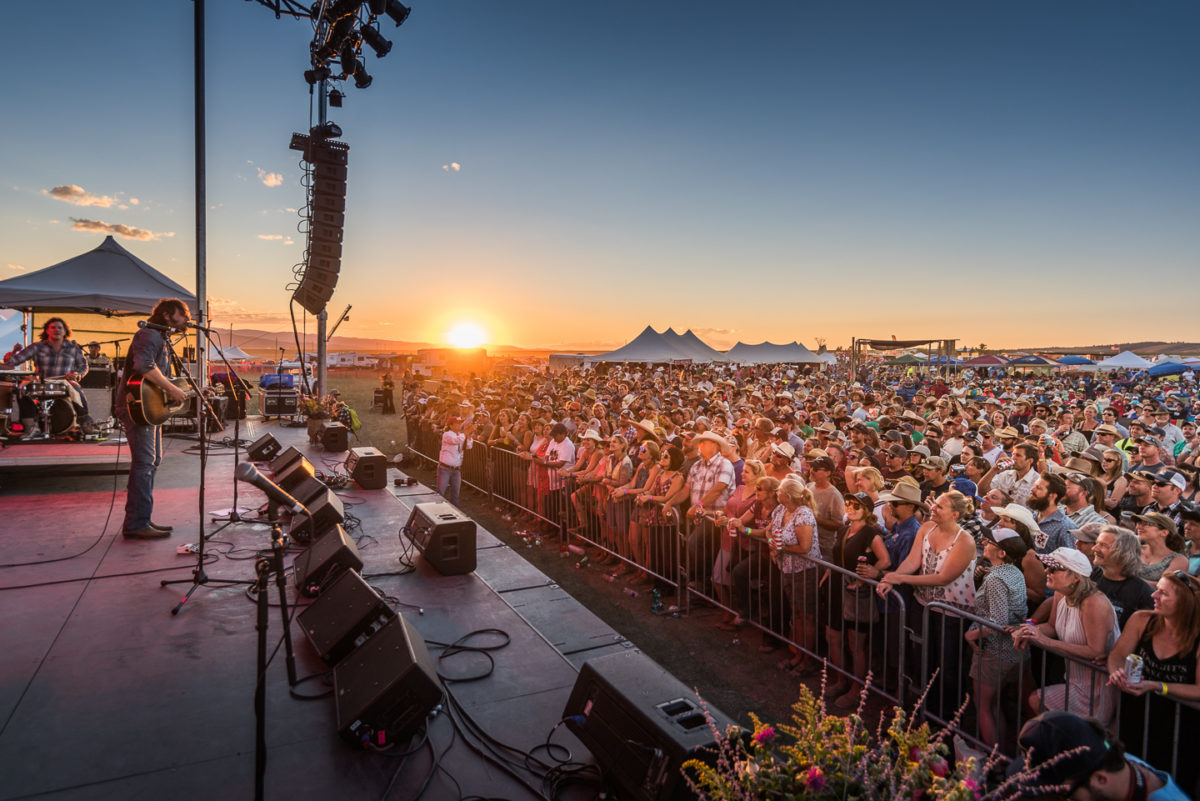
564,173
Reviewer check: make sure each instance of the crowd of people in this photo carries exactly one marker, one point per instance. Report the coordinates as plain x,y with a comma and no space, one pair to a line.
1061,510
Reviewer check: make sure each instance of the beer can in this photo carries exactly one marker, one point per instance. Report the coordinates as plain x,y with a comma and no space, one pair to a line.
1133,668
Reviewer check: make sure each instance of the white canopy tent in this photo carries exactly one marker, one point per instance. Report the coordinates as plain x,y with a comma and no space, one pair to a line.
649,347
1125,360
691,344
233,353
770,353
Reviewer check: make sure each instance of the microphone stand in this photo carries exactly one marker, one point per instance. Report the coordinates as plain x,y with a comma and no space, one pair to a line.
199,577
235,386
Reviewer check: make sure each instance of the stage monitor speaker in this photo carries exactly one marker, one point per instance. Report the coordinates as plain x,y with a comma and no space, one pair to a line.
326,511
321,562
344,616
444,535
291,476
385,688
264,449
335,437
368,468
285,458
308,490
641,724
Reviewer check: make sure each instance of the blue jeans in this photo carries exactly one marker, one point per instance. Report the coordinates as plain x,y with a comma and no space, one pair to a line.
145,454
448,483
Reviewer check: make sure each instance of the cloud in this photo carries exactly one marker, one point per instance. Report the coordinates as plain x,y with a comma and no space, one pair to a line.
721,332
270,178
287,240
126,231
453,166
226,310
20,268
133,201
78,196
270,236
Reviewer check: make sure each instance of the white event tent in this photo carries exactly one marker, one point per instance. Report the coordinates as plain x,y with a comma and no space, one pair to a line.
770,353
1125,360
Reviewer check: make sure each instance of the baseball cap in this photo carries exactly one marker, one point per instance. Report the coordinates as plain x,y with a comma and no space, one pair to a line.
1158,520
1074,747
1173,477
934,463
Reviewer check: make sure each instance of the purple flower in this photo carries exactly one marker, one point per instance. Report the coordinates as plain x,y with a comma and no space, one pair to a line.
764,735
814,780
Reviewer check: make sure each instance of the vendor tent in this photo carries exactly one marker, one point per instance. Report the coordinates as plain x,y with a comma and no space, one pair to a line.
829,357
906,359
107,280
770,353
1168,368
1125,360
233,353
986,361
1031,360
1076,361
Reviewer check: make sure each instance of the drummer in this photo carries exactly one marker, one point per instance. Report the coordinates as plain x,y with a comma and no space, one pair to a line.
96,359
57,358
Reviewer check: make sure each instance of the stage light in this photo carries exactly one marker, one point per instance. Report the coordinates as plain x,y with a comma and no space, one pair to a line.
375,39
377,6
329,130
348,59
335,99
361,79
398,12
317,75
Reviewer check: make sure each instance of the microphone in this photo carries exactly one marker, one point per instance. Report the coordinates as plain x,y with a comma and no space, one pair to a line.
190,324
156,327
252,475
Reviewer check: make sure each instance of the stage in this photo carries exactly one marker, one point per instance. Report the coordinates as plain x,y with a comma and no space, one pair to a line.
105,695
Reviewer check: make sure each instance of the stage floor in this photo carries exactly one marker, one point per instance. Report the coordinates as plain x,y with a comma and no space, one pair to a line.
105,695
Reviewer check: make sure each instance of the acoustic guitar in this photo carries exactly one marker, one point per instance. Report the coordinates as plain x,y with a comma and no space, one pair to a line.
148,405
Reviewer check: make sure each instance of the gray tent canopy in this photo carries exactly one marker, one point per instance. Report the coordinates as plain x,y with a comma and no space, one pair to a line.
108,280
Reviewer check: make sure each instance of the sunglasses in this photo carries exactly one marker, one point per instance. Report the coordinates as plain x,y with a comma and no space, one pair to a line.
1055,569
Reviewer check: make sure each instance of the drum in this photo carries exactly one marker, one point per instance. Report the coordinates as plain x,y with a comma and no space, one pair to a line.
60,417
46,390
8,407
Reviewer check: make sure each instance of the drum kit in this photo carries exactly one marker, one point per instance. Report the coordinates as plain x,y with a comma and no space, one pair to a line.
51,398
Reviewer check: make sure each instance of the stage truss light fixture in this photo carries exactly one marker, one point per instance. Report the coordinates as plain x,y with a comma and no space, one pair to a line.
335,99
375,39
361,79
398,12
329,130
315,76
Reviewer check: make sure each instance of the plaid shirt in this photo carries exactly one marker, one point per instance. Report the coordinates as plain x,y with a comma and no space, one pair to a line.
704,475
50,363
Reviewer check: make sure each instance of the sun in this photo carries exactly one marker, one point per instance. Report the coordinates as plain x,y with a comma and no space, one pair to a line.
466,335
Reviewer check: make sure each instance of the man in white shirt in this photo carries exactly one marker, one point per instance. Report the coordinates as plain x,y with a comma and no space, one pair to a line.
455,440
1016,476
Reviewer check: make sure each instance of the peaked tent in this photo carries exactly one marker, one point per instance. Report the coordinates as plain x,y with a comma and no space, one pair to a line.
1031,360
770,353
829,357
648,346
986,360
108,280
1125,360
233,353
692,344
1076,361
1163,369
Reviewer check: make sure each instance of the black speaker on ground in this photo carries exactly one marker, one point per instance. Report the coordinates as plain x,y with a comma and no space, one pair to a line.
278,402
344,616
335,437
368,468
641,724
444,535
321,563
264,449
308,490
297,471
325,512
285,458
386,687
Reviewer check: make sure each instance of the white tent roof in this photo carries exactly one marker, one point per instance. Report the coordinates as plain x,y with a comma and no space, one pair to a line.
232,353
828,357
690,343
1125,360
106,280
648,346
770,353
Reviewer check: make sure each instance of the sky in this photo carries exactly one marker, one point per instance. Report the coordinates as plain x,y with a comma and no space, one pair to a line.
563,173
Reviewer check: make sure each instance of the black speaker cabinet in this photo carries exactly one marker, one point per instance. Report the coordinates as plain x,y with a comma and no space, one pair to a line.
308,490
335,437
278,402
324,513
641,724
296,472
346,614
264,449
285,458
368,468
444,535
386,687
324,560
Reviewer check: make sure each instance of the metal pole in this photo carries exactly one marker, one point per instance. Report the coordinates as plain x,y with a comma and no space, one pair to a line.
201,199
323,317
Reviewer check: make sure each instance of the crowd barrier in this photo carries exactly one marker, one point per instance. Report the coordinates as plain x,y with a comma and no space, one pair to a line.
828,614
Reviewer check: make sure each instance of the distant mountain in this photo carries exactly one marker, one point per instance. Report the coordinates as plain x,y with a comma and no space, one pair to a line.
265,344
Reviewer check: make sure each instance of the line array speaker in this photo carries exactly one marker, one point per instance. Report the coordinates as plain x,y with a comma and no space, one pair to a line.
327,208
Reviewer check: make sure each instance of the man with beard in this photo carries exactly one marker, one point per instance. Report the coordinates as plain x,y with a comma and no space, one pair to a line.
1017,476
1055,526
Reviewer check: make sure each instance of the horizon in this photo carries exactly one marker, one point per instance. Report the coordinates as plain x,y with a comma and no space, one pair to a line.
982,169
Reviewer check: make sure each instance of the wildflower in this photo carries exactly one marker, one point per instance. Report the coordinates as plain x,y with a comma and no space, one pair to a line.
764,735
814,780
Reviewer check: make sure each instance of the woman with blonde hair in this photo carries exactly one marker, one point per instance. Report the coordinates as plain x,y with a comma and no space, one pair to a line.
1112,467
867,480
644,476
740,501
793,552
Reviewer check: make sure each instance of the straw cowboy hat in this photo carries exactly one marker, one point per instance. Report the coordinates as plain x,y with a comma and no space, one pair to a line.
647,426
903,492
1015,511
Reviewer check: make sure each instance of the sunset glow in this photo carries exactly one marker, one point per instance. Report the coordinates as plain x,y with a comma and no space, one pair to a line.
466,335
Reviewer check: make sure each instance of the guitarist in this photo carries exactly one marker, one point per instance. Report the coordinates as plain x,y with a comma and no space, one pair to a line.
148,358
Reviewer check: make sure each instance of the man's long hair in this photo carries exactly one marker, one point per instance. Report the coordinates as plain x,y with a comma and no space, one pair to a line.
165,308
46,327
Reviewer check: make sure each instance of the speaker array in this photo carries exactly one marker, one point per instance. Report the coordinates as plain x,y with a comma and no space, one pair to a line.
329,160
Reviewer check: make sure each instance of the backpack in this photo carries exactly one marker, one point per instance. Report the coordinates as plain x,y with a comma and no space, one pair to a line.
355,423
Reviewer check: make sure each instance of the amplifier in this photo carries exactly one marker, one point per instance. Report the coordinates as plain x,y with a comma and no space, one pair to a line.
318,565
444,535
335,437
295,472
346,613
264,449
285,458
385,688
278,402
326,512
641,724
368,468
